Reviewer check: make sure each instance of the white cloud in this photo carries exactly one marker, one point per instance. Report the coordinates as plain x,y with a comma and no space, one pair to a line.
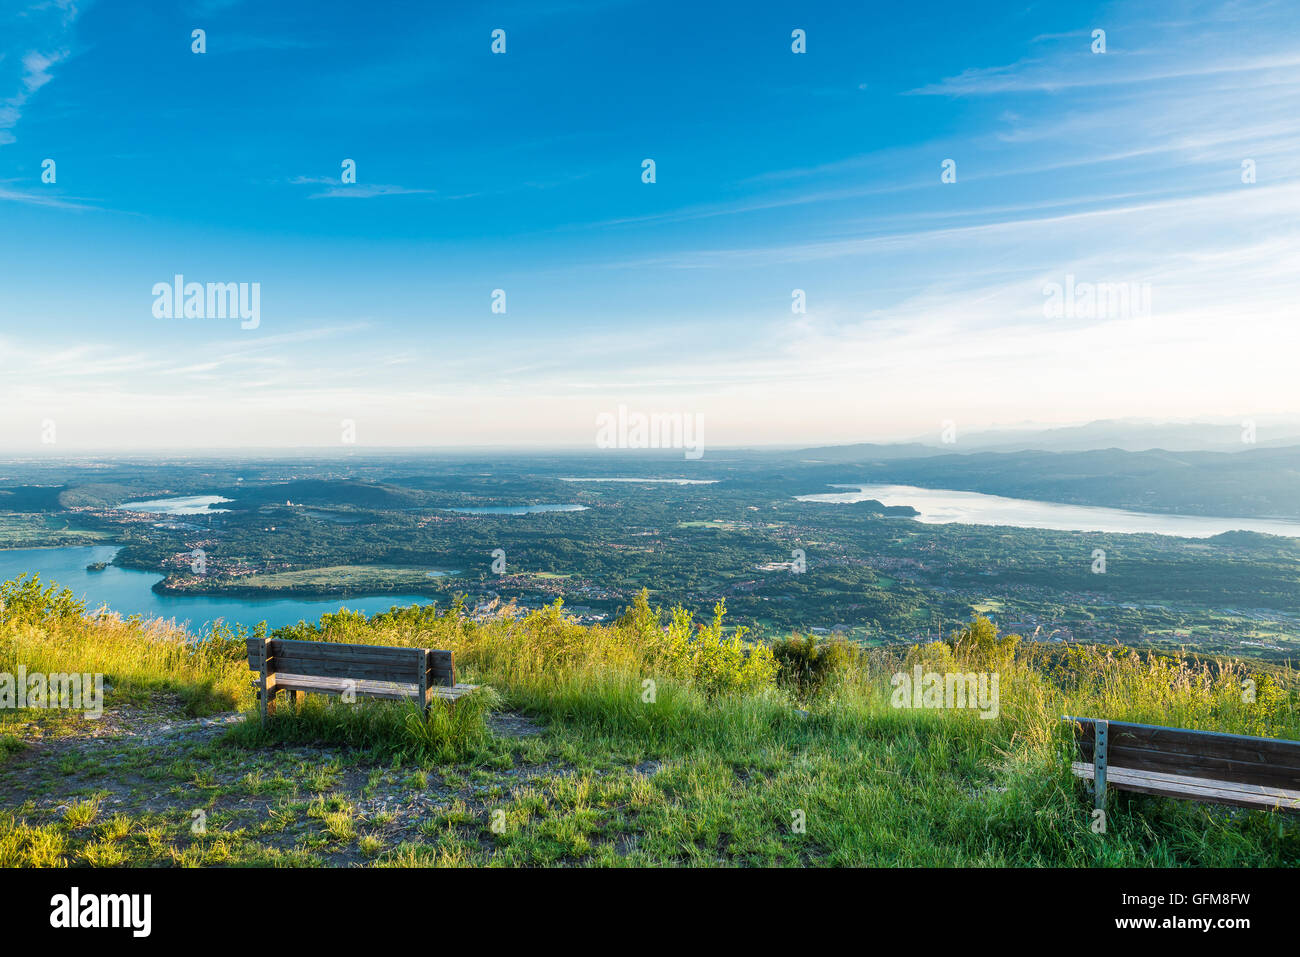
38,52
337,190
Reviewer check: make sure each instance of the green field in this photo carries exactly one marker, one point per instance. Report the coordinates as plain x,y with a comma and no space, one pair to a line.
35,530
350,577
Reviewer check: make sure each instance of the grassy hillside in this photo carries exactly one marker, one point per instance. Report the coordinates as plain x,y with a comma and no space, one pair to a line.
570,756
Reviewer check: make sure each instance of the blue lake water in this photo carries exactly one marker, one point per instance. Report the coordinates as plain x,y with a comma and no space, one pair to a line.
180,505
942,506
128,592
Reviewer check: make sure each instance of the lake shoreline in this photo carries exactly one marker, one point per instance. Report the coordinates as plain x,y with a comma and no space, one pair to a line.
132,591
961,507
1189,511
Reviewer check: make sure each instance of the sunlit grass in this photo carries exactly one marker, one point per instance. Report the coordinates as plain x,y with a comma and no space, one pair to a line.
642,763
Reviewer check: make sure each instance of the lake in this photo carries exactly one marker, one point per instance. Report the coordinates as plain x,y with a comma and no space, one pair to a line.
128,592
180,505
944,506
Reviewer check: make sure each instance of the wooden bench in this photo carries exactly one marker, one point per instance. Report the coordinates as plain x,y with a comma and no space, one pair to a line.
1202,766
372,671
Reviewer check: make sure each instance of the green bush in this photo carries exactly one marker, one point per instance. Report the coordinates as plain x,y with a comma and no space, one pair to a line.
697,653
979,644
806,666
716,665
23,600
221,643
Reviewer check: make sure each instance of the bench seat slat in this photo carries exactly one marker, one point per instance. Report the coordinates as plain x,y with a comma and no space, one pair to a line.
374,689
334,651
1215,744
1191,779
409,671
1248,767
442,667
316,683
1194,788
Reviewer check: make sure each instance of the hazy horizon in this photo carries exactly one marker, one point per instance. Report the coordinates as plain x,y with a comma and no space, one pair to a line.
1284,432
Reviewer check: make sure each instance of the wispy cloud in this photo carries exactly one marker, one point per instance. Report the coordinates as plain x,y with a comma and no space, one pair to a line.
36,73
336,190
37,49
1039,76
1279,205
38,198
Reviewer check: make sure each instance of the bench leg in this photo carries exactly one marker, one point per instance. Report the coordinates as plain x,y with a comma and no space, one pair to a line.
1100,758
264,667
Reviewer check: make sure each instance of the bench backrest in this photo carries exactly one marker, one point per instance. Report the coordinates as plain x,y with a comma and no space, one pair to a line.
1268,762
329,659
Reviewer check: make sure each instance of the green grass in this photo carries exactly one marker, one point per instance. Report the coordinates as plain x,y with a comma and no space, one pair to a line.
448,733
610,775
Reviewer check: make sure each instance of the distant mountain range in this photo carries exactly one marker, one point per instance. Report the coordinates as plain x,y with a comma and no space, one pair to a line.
1129,435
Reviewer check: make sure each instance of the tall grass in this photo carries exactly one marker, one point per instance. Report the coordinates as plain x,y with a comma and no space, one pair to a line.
626,676
447,733
45,630
887,785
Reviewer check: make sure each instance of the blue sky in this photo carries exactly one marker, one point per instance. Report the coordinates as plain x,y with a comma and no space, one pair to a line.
775,171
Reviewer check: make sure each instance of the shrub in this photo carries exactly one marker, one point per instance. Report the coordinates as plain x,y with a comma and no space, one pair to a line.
640,621
714,664
933,656
978,644
223,644
23,600
806,667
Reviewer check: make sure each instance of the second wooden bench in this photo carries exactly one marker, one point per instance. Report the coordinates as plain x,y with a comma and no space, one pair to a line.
1206,766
